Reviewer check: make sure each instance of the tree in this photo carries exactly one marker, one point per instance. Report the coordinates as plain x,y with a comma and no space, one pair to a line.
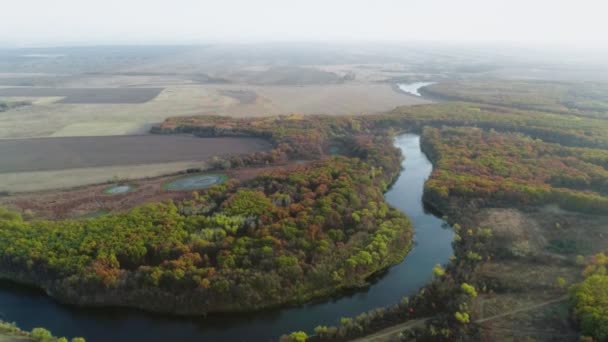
590,299
462,317
41,334
438,271
298,336
469,290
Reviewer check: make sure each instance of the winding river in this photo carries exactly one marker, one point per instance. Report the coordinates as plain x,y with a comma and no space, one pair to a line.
30,308
413,88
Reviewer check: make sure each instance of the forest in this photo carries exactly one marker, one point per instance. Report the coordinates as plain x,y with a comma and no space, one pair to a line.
283,237
514,169
573,98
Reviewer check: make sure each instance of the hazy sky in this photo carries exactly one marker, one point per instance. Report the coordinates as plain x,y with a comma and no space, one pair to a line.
50,22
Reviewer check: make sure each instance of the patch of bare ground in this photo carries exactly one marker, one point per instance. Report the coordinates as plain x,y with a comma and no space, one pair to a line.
90,200
78,152
525,284
535,317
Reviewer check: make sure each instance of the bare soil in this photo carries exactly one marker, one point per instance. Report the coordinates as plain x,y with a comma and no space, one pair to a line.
86,95
20,155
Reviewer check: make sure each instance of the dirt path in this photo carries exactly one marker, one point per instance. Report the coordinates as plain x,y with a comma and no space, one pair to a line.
389,333
525,308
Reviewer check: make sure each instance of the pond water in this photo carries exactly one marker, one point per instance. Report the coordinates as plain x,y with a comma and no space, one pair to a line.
30,308
118,189
195,182
413,88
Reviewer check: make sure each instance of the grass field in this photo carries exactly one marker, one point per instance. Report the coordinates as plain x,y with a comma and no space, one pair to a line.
69,178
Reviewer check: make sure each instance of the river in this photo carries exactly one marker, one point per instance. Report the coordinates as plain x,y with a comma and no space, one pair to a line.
413,88
30,308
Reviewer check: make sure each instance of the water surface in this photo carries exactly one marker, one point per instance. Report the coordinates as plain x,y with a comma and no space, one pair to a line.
413,88
196,182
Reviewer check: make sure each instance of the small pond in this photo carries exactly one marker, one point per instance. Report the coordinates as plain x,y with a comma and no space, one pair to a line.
195,182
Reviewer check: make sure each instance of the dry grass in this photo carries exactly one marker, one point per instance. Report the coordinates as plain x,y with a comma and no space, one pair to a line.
528,279
46,180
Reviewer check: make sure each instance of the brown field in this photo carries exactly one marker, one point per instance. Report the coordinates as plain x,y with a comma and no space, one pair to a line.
79,152
86,95
54,118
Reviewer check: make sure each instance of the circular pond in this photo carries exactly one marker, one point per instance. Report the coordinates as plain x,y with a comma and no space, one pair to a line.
195,182
118,189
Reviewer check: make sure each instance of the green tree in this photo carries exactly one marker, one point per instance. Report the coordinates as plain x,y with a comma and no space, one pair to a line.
590,300
438,271
298,336
41,334
462,317
469,290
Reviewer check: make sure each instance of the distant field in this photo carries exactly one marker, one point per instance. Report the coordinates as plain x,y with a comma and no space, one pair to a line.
44,154
87,95
59,119
585,99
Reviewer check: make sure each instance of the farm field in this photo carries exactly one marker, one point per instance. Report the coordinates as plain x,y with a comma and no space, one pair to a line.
78,152
56,118
86,95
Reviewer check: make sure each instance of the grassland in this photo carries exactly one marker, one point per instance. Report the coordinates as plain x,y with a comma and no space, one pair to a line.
14,182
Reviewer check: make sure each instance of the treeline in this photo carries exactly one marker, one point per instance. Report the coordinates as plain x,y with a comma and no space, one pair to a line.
567,130
4,105
282,237
579,98
12,331
514,169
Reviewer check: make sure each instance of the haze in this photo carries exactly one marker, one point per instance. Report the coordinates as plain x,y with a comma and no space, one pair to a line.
60,22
